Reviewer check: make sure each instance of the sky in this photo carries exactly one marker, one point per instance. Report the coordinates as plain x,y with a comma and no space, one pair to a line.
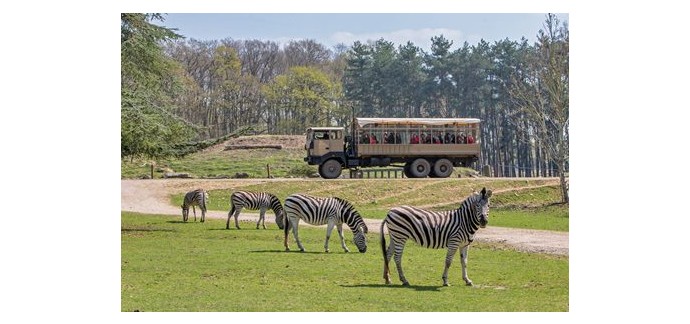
331,29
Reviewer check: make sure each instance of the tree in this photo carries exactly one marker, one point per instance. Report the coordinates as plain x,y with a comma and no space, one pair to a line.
541,93
301,98
148,77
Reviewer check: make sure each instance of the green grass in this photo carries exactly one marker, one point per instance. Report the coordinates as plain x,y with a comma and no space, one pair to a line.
283,163
531,208
167,265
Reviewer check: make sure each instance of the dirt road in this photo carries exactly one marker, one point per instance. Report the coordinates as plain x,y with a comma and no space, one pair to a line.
152,196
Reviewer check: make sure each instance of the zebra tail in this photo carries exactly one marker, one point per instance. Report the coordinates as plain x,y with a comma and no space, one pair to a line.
383,242
286,227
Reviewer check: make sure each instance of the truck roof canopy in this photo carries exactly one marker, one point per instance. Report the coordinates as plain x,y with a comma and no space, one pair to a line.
324,128
416,121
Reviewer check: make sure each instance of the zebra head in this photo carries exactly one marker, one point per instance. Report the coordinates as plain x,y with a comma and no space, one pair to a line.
360,238
279,211
481,207
352,218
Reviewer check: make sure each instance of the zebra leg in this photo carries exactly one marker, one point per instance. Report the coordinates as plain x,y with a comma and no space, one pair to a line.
398,252
295,225
449,260
339,227
194,209
227,224
329,230
386,259
203,214
262,215
237,215
463,262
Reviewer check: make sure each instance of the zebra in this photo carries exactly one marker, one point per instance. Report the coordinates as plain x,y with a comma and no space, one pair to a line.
333,211
253,201
453,229
197,197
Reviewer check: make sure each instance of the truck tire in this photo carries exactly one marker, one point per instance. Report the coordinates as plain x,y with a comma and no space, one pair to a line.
443,168
420,168
330,169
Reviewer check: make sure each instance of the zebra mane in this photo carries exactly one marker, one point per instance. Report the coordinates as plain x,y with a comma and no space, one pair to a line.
467,202
344,202
354,221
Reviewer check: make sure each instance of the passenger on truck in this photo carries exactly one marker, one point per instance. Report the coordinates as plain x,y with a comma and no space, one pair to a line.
470,139
414,139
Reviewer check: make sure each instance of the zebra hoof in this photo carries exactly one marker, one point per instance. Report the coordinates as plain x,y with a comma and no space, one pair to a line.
469,284
405,283
328,251
445,284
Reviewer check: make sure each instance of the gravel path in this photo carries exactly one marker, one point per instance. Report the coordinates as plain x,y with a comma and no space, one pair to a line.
152,196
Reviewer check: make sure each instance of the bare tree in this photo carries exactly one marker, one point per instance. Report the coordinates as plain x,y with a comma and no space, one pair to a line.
541,95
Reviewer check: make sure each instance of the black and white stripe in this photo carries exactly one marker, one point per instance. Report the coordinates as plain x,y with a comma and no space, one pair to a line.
332,211
197,197
452,229
253,201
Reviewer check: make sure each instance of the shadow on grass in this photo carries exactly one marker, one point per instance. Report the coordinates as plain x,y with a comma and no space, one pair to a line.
417,288
183,222
291,251
146,230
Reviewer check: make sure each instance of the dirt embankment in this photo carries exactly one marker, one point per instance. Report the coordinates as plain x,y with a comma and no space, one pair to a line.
152,196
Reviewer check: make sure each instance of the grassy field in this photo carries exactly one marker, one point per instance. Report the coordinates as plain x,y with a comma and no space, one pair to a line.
168,265
520,203
283,163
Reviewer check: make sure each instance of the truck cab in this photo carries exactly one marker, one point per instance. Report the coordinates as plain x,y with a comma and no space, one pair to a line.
326,148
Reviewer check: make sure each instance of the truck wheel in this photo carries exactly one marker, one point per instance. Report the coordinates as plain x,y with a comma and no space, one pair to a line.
330,169
420,168
443,168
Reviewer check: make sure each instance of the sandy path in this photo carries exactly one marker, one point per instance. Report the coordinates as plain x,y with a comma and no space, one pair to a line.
152,196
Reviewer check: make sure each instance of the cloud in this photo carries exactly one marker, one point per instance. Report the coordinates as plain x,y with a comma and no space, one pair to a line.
420,37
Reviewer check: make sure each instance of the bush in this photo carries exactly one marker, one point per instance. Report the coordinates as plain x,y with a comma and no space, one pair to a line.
302,171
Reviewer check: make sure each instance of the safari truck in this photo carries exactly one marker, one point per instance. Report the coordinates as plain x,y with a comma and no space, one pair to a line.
422,146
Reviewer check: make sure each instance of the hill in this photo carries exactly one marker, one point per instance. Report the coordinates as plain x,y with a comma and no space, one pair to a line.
216,162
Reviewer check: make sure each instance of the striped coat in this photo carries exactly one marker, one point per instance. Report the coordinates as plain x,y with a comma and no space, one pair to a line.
198,197
450,229
333,212
261,201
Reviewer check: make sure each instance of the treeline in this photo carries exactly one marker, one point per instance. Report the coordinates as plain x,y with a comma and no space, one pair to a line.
216,87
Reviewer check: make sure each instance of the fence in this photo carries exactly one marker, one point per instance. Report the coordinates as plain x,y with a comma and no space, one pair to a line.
377,173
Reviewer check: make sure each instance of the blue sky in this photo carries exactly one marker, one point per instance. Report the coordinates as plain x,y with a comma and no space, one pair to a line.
333,28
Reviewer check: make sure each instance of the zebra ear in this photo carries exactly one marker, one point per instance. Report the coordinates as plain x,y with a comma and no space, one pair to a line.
483,192
365,229
488,194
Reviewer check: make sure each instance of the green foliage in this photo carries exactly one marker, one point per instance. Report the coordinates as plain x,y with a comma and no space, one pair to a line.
306,96
148,126
167,265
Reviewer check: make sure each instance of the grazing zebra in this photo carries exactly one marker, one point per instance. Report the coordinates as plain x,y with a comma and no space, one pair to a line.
453,229
319,211
253,201
193,198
